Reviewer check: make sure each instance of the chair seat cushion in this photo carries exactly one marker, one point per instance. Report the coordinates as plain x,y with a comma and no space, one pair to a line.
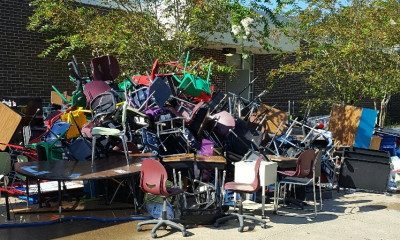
239,187
295,180
174,191
105,131
287,173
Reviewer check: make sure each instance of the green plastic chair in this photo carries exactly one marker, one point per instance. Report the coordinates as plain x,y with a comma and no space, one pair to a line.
193,85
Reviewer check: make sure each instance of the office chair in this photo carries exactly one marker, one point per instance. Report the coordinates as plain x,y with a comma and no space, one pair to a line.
153,180
242,189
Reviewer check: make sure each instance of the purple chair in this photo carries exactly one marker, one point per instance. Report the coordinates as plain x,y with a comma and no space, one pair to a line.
242,189
153,180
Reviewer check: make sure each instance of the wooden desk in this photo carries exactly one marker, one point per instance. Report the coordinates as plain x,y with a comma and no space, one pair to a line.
210,162
216,162
179,161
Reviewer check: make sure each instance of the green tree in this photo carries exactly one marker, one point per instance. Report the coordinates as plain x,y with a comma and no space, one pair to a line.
349,51
138,32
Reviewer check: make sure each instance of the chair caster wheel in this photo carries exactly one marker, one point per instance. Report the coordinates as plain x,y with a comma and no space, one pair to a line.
240,229
184,234
154,235
263,226
216,225
163,227
139,229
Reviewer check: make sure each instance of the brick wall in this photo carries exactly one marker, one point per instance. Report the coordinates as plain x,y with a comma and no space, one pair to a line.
290,88
22,72
217,79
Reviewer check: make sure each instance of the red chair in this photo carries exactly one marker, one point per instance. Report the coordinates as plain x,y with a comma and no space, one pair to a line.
303,165
242,189
105,68
153,180
308,169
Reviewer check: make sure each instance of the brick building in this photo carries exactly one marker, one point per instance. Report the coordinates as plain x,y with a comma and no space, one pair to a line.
24,74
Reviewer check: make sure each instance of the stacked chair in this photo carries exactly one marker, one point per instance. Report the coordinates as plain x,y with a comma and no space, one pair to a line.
170,112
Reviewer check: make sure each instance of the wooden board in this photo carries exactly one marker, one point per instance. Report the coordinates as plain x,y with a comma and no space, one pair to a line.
274,158
343,123
375,143
272,121
180,158
213,159
55,99
9,122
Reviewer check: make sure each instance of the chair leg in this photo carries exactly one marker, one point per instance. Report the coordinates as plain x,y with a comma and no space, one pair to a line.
163,222
93,148
240,217
315,198
124,144
320,193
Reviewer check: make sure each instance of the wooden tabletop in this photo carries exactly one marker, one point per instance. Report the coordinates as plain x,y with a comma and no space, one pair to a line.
281,158
213,159
113,166
180,158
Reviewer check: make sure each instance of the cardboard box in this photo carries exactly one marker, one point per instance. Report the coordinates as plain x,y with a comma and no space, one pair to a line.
375,143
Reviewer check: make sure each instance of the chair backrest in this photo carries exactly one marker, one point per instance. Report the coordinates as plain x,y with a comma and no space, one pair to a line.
317,164
94,88
104,68
256,182
103,104
304,163
5,163
153,177
161,91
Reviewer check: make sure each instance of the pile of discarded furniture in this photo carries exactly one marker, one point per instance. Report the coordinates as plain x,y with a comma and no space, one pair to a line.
199,139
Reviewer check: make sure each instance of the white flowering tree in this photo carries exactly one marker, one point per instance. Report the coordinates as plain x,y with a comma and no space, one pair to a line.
260,21
138,32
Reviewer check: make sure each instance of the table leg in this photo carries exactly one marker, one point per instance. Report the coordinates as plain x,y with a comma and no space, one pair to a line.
106,193
263,200
27,191
39,194
218,197
59,199
276,196
7,203
135,201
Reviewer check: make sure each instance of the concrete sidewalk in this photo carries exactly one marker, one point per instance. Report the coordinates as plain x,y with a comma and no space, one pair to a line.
354,215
